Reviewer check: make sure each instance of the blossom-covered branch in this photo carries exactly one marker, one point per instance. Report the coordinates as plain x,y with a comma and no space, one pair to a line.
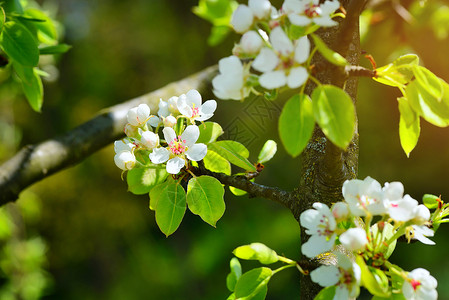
35,162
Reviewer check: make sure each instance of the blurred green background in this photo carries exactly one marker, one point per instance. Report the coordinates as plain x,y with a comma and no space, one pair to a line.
102,242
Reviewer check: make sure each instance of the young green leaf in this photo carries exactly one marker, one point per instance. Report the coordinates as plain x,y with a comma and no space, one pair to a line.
205,198
234,275
216,163
429,81
407,59
12,6
432,110
268,151
142,180
334,112
19,44
56,49
252,282
169,201
236,191
332,56
431,201
233,151
209,132
409,135
46,30
326,293
257,251
407,111
31,85
296,124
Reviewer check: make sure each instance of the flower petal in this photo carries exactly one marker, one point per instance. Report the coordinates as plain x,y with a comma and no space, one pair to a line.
324,21
175,165
266,61
230,65
193,97
242,18
159,155
273,80
163,109
299,20
317,245
197,152
297,77
208,107
184,108
280,41
169,134
325,275
190,135
302,50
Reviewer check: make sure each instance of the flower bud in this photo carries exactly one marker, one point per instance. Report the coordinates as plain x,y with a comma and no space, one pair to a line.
130,130
260,8
170,121
242,19
354,239
251,42
138,115
149,139
125,160
153,121
173,105
340,210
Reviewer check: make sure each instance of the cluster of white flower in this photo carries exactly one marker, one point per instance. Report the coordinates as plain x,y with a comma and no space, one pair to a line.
392,211
142,133
276,43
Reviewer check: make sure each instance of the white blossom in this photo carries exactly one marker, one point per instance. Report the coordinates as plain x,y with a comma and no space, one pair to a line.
124,145
402,210
421,214
261,9
149,139
305,12
354,239
230,83
346,275
420,285
139,115
282,65
169,121
179,149
189,105
169,107
421,234
340,210
364,196
250,43
320,224
242,18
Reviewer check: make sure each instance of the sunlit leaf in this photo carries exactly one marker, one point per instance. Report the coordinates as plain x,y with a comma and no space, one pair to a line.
267,152
142,180
296,124
372,283
56,49
326,293
209,132
429,82
234,275
334,112
257,251
235,152
205,198
252,282
431,201
216,163
332,56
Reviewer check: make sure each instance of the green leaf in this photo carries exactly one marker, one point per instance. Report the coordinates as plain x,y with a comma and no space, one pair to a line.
373,283
296,124
209,132
31,85
393,296
430,201
399,72
332,56
407,59
234,275
334,112
218,12
257,251
236,191
429,81
2,18
432,110
268,151
252,282
409,135
169,201
46,30
385,235
19,44
326,293
12,6
233,151
407,111
142,180
216,163
56,49
205,198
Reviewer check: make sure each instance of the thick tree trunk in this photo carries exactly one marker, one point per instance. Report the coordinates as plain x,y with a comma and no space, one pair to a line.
325,167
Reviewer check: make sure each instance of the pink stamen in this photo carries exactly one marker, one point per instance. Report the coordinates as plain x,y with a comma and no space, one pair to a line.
176,146
195,112
312,11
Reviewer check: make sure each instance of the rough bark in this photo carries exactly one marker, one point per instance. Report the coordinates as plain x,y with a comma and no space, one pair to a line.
325,167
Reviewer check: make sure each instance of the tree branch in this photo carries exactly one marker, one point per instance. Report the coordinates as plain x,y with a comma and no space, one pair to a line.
35,162
253,189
